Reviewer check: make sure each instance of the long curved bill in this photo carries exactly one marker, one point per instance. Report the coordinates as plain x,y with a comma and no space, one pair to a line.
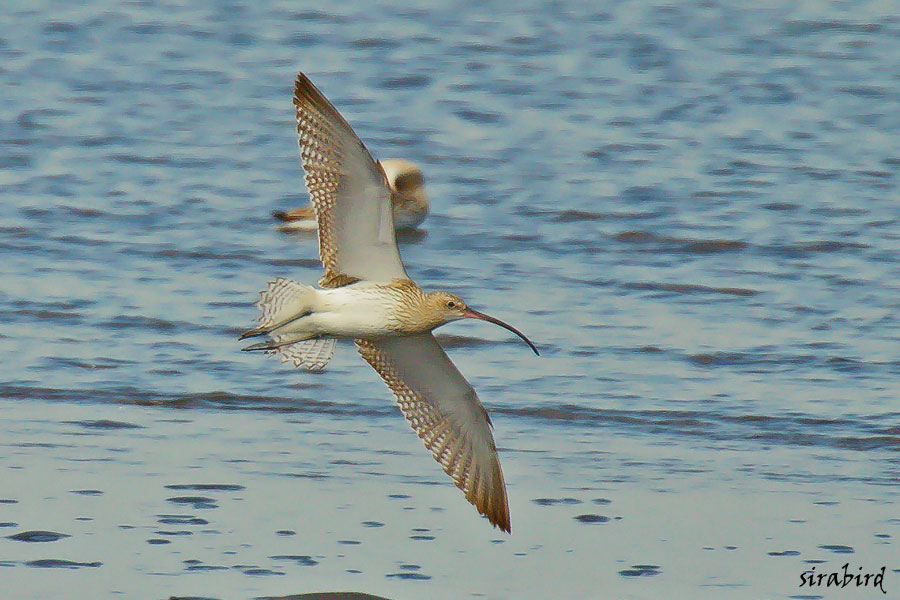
474,314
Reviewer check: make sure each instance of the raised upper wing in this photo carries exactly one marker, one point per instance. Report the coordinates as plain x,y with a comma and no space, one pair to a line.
445,412
349,192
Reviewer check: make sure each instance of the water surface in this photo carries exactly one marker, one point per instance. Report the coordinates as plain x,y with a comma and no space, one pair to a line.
692,210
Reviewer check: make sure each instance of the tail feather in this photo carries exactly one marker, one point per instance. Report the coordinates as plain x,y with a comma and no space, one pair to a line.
313,354
281,302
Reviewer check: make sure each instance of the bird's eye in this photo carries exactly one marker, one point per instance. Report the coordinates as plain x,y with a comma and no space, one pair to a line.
451,304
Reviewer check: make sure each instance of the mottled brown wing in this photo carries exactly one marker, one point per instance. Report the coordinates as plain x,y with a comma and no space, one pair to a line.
445,412
348,190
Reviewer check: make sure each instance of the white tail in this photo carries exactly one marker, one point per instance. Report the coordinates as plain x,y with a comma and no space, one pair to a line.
283,300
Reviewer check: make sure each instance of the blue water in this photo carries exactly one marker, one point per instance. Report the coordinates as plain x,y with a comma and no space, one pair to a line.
691,209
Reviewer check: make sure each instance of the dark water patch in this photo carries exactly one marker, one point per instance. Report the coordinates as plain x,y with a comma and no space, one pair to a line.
217,399
59,27
684,288
641,571
38,536
308,475
40,118
631,154
258,571
776,362
855,434
354,463
214,487
15,161
375,43
650,350
349,542
181,520
4,524
787,429
158,541
87,492
47,445
718,358
399,496
837,549
805,27
645,53
326,595
301,40
124,322
104,424
102,141
285,532
785,553
863,444
175,533
67,305
554,501
819,174
807,249
591,519
188,255
578,216
601,501
8,501
206,568
18,233
165,161
303,560
409,576
405,82
685,245
781,206
65,242
96,364
197,502
372,524
54,563
227,304
479,117
79,211
422,537
52,316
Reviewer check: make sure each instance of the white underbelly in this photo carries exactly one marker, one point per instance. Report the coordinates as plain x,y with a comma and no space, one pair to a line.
356,311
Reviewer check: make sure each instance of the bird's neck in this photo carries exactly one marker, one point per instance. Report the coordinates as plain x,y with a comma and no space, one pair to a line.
411,309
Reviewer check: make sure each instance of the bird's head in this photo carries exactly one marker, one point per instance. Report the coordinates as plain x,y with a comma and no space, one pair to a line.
445,307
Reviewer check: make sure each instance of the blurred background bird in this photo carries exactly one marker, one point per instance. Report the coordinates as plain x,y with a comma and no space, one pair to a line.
408,199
